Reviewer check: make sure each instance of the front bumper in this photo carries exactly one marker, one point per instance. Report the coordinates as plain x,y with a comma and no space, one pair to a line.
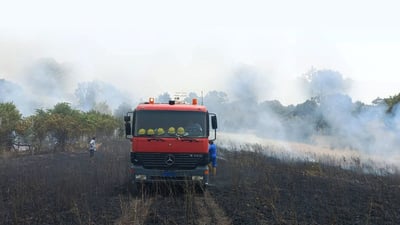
140,174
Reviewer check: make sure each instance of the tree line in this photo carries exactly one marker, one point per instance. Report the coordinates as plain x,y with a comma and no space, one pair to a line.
59,128
63,127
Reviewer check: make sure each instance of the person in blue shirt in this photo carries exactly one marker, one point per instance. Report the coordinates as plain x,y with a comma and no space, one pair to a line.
212,151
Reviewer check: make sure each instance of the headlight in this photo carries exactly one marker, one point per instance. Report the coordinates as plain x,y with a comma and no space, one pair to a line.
197,178
140,177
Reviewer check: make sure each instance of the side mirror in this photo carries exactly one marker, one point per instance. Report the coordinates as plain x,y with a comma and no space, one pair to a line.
128,129
128,118
214,123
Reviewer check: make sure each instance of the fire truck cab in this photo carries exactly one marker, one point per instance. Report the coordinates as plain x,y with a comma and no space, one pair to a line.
169,142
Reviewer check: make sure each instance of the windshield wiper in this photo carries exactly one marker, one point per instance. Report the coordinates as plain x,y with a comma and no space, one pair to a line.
189,139
155,139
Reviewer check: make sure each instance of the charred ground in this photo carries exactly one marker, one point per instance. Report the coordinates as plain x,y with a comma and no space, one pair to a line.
250,188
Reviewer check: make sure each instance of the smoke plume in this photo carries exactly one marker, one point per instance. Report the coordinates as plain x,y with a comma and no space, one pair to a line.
329,117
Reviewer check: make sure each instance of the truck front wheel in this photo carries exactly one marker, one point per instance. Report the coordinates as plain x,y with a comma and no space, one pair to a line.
135,188
200,188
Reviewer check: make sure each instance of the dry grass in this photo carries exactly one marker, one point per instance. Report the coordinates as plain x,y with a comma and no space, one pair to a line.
320,152
251,187
63,188
258,189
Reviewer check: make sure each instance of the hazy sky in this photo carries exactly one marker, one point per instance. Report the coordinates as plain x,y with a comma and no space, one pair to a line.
148,47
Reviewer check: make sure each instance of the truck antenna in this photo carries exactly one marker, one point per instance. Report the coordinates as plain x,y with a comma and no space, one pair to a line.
202,103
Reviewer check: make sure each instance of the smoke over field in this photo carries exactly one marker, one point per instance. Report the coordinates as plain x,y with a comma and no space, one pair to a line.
320,151
316,162
329,125
328,117
48,82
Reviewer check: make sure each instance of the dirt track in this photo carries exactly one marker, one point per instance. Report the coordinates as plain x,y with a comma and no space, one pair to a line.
69,188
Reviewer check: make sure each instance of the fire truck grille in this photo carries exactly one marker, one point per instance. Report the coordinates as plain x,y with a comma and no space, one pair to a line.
170,161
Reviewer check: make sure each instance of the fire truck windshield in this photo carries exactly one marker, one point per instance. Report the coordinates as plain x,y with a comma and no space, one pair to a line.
170,123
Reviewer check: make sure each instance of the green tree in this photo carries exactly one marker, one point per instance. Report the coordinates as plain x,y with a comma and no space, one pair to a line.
39,127
63,123
102,107
9,118
391,102
103,125
24,129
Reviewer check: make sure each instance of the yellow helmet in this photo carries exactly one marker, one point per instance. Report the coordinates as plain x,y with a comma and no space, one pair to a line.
142,131
160,131
180,131
150,132
171,130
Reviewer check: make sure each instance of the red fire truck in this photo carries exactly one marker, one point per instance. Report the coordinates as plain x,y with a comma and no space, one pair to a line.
170,142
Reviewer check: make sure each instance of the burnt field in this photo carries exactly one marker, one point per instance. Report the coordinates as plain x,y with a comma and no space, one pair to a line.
250,188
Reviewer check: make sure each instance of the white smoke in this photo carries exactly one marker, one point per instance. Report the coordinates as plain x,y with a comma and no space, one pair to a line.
247,84
325,82
89,94
328,118
11,92
47,82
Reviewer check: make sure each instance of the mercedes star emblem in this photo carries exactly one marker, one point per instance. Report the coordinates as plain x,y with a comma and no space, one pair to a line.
169,160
